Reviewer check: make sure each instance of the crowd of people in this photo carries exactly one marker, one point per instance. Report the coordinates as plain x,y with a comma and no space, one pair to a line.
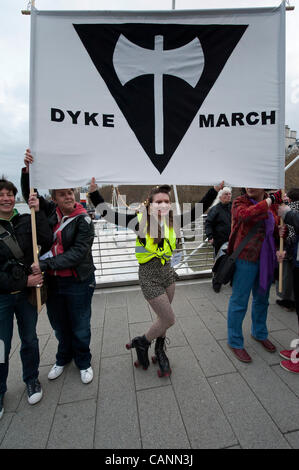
65,235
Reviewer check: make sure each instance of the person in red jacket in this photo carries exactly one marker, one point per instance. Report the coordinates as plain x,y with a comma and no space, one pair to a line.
254,266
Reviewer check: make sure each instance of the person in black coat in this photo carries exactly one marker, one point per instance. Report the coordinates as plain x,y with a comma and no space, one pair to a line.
218,224
291,217
16,279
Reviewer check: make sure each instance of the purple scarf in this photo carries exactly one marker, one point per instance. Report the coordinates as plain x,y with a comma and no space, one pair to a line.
268,253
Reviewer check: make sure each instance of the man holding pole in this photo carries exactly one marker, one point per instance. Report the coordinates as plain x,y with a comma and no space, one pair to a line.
16,257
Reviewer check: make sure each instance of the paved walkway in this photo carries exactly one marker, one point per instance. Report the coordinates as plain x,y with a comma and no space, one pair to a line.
211,400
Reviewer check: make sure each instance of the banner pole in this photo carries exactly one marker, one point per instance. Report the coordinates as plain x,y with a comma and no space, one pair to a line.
280,283
35,252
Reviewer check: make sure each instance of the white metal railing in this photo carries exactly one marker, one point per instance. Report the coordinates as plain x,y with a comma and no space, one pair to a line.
113,253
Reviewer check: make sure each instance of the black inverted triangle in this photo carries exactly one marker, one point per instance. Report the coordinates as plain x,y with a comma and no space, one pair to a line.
180,100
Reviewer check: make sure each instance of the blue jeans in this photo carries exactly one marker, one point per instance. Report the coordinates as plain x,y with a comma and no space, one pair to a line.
26,316
246,279
69,312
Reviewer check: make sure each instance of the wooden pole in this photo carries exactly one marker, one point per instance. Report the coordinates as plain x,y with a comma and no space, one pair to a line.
280,283
33,220
35,253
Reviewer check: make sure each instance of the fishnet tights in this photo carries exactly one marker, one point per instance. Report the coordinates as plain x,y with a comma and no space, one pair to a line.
165,316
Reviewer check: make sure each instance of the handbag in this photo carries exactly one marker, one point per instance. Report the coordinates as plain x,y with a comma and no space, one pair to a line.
225,264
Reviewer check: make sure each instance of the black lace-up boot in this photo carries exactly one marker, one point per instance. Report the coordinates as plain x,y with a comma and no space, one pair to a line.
141,344
161,357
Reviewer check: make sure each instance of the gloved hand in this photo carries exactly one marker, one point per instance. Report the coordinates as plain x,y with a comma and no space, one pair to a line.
276,198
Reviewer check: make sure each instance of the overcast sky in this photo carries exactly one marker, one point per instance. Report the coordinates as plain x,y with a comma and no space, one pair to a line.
14,62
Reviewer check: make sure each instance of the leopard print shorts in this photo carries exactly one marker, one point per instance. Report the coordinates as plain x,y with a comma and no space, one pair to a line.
154,278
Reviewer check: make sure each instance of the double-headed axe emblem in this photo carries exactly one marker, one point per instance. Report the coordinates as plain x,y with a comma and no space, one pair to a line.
131,61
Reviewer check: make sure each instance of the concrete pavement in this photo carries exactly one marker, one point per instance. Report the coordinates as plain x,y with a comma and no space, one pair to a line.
210,401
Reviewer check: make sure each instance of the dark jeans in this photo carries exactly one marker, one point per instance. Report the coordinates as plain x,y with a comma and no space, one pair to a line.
26,316
69,312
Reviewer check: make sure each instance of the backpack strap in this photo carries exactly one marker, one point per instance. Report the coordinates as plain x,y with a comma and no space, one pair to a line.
245,240
11,243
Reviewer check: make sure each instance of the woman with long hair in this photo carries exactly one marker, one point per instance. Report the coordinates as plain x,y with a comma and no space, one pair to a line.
157,230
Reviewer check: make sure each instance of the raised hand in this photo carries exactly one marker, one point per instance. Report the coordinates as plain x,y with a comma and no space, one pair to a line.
33,201
28,159
219,186
93,185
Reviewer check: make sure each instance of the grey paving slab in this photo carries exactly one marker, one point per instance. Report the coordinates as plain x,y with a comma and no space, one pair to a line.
284,338
160,420
269,389
211,357
273,324
48,355
117,422
73,426
220,301
99,301
31,425
293,439
211,400
73,389
192,291
15,342
116,332
252,425
289,378
289,319
138,309
205,422
117,299
43,324
15,386
5,423
181,306
211,317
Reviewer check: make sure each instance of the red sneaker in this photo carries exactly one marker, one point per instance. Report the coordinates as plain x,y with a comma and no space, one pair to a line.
290,366
286,354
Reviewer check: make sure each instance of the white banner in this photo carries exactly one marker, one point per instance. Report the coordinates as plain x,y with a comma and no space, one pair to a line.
177,97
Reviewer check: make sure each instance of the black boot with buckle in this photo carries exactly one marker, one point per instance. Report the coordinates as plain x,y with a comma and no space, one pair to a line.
141,344
161,357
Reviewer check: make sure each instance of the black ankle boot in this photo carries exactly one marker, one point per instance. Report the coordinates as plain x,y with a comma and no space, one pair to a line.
161,357
141,344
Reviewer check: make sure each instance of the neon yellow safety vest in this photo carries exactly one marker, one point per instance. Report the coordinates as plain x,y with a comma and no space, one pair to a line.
150,250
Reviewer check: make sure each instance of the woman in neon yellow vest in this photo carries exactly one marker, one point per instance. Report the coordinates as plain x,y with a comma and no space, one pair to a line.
157,230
